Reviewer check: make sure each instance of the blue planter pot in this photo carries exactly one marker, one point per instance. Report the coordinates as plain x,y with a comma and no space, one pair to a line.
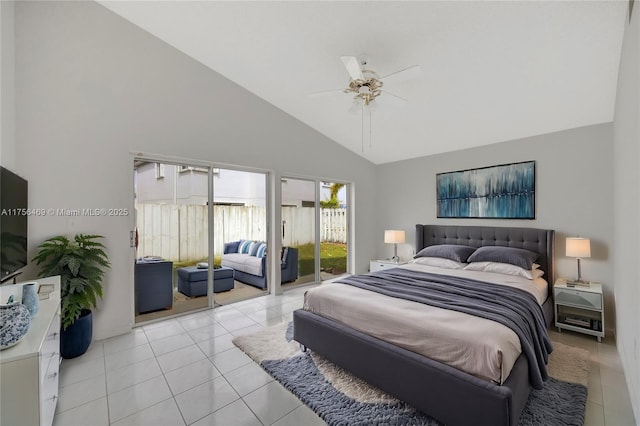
75,340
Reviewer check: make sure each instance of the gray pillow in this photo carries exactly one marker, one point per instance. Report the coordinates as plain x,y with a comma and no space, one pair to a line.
455,252
515,256
232,247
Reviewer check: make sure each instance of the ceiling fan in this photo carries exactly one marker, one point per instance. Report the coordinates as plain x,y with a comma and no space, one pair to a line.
367,87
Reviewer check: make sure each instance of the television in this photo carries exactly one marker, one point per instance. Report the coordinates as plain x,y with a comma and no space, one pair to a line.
13,224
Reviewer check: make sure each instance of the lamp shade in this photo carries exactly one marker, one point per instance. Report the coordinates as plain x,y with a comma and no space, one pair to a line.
393,236
578,247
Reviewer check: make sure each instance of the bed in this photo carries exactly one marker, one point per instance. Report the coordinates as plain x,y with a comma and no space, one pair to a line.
446,393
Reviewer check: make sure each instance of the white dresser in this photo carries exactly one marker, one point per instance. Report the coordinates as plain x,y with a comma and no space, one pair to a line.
29,370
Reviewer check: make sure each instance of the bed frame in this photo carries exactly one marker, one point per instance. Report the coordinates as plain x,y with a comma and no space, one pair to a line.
449,395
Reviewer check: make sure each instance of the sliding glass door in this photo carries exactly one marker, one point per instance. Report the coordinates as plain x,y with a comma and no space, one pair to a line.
172,238
333,229
185,217
239,214
299,225
315,223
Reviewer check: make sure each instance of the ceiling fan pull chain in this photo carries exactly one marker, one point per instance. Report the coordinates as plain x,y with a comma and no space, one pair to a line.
370,137
362,125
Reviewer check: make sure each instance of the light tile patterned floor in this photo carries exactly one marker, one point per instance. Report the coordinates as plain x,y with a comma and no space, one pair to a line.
186,370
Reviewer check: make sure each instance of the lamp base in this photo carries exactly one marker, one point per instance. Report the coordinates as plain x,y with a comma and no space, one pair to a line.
395,259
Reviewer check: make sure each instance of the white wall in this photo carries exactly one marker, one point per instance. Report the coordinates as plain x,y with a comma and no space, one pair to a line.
626,131
7,85
574,195
92,88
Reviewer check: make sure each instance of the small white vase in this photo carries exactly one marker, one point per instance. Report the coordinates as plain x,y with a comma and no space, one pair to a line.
30,298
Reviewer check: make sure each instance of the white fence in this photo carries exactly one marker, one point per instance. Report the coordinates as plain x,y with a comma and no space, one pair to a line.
179,232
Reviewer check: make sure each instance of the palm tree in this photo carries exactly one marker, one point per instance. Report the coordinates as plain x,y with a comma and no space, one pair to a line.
333,202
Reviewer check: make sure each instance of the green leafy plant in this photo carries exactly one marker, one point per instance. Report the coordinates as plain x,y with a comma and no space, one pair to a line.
333,202
80,263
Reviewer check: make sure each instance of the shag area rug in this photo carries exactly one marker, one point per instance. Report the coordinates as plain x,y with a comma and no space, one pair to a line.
340,398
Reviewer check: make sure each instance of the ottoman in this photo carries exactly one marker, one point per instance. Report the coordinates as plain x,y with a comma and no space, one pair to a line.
192,281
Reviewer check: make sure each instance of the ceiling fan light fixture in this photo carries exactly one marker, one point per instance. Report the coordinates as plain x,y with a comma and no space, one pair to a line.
366,89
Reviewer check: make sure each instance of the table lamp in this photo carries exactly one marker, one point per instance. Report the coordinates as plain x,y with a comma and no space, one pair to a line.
394,237
579,248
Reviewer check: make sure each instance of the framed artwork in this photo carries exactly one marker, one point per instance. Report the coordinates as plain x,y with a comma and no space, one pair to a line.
506,191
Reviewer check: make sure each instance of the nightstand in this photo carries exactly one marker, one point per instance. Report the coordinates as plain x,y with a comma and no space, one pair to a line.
378,265
579,309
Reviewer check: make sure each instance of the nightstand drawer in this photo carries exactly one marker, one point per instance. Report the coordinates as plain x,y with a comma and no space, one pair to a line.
378,265
575,297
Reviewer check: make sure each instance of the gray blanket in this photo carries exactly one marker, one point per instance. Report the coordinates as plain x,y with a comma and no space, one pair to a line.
512,307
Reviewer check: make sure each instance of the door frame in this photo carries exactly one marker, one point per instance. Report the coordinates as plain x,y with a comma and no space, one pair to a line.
350,218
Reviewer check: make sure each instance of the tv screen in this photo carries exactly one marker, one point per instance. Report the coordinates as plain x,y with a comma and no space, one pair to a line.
13,223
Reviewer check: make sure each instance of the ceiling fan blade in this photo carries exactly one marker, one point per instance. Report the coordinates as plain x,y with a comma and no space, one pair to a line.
325,93
373,106
353,67
388,98
403,75
356,107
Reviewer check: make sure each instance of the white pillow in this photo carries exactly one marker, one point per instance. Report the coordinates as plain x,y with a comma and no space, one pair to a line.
504,268
439,262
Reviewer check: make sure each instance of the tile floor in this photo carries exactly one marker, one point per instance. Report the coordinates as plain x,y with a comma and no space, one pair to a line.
186,370
608,400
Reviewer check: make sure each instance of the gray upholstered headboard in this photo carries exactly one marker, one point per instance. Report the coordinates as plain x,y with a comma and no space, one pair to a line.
537,240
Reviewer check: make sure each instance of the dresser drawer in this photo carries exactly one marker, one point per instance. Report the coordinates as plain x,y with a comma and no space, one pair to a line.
49,372
50,352
49,395
581,299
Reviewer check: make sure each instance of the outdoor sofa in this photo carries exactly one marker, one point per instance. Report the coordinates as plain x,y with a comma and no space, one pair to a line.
248,261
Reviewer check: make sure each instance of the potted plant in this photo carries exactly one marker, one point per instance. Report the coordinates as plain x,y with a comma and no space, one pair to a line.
80,263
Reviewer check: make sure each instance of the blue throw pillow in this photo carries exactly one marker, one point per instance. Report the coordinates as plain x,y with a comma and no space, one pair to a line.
262,250
456,252
244,246
253,248
515,256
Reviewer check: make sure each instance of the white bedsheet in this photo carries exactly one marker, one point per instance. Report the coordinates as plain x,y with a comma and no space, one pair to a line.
538,287
475,345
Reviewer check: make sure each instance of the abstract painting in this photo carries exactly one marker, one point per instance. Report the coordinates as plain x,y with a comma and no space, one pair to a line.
506,191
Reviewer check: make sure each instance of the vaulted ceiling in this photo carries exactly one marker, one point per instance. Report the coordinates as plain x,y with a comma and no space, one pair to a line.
492,71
